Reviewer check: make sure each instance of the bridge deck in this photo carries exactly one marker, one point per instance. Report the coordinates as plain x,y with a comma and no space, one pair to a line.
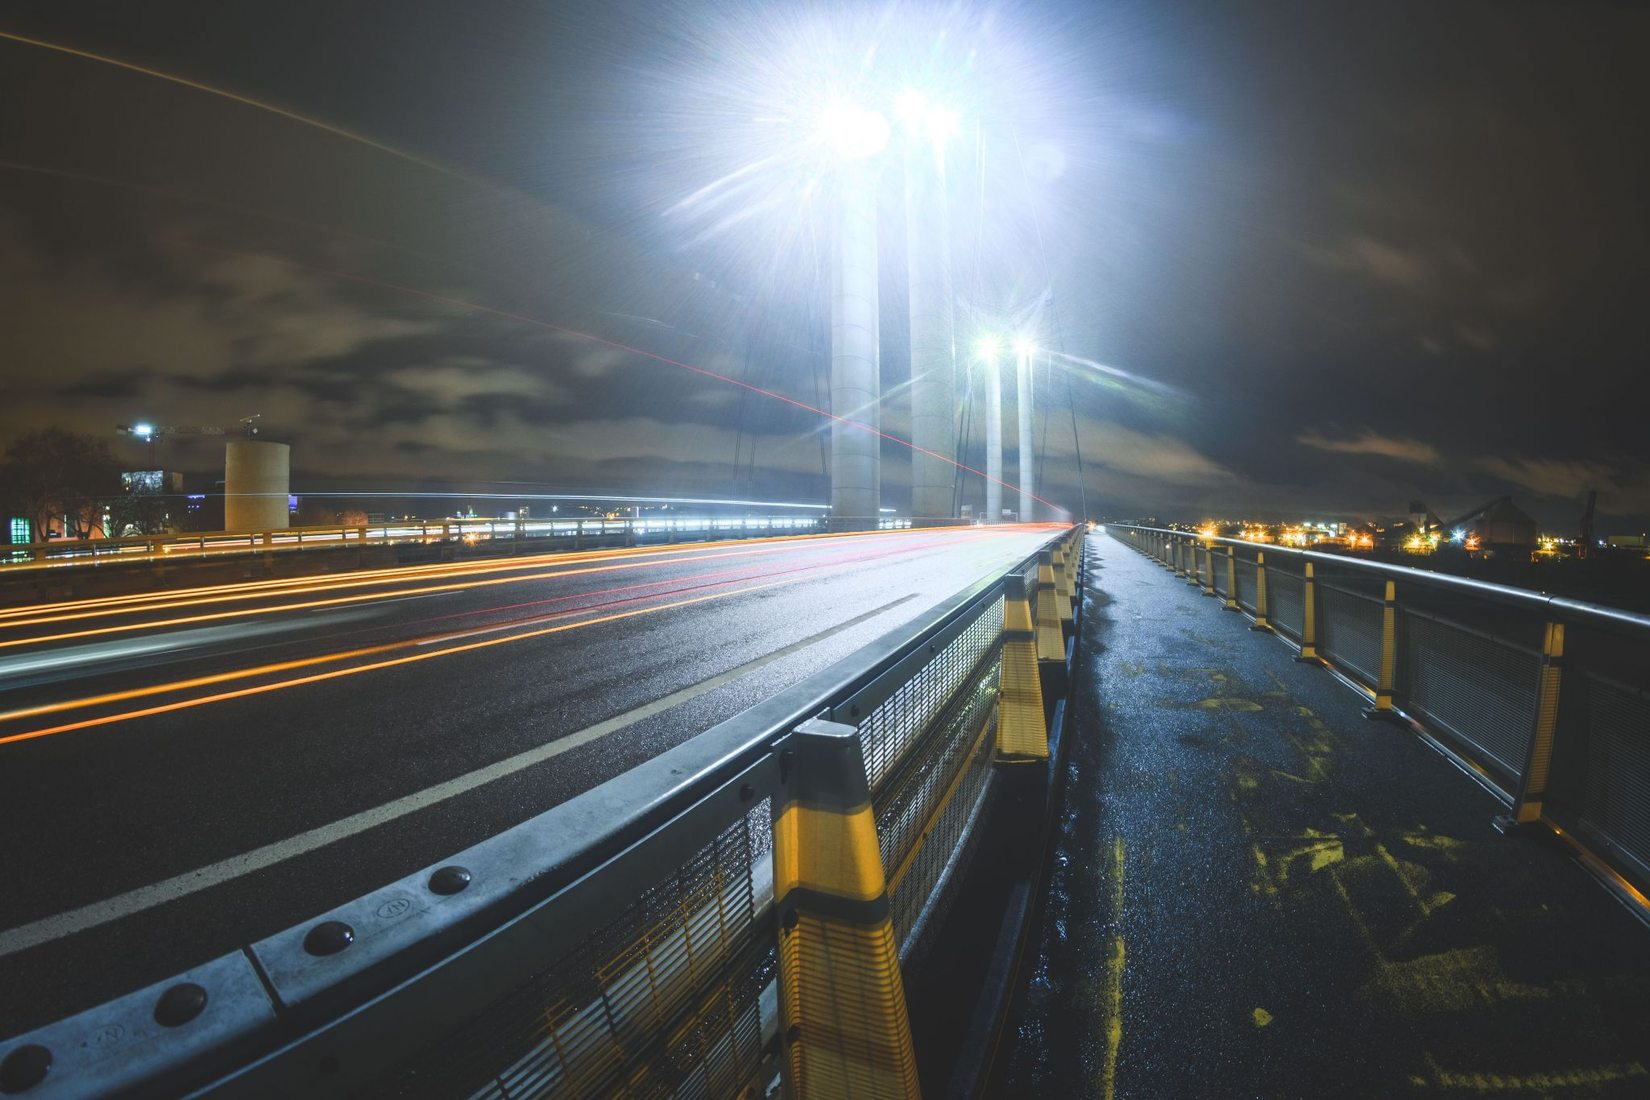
1259,893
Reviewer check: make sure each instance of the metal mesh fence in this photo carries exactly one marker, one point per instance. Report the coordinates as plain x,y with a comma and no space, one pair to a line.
1601,765
888,733
937,793
663,1001
1246,585
1475,687
1285,600
1349,628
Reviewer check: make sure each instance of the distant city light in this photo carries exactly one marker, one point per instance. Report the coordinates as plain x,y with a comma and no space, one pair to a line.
143,429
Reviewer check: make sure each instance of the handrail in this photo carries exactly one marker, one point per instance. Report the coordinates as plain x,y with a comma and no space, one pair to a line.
1524,598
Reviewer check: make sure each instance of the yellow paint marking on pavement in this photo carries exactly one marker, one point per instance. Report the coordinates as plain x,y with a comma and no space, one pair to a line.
1113,1006
1587,1077
1222,702
1262,1017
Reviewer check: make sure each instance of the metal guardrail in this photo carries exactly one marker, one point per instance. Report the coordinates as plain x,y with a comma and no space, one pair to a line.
60,553
1547,699
729,915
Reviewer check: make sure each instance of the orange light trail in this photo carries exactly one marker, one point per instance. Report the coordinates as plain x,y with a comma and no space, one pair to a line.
261,689
370,651
708,554
230,595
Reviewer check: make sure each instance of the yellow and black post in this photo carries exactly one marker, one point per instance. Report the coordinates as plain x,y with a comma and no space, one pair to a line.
1388,675
1260,622
845,1025
1051,640
1309,618
1022,730
1532,787
1063,592
1231,581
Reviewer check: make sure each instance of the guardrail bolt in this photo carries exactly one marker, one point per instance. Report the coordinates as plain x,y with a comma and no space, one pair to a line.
449,880
24,1068
180,1004
329,937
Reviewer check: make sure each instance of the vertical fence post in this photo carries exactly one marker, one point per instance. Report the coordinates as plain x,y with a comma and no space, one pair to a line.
1209,574
1231,580
1309,617
1063,596
1532,785
844,1021
1389,656
1195,576
1177,562
1022,732
1261,609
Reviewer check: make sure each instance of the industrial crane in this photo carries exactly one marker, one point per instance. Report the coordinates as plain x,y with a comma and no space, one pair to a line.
149,433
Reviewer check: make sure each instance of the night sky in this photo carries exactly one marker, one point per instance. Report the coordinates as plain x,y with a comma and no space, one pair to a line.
1338,255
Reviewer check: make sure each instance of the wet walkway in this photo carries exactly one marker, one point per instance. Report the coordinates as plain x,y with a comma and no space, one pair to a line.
1258,893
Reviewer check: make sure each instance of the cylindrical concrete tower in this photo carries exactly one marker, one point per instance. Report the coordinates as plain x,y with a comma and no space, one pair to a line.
933,340
1022,387
855,379
257,477
993,440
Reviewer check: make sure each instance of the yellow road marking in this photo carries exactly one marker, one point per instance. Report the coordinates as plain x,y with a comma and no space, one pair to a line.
1113,1006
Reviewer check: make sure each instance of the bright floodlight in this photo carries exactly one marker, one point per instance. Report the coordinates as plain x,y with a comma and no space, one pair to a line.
854,131
912,107
920,116
989,347
1024,346
144,430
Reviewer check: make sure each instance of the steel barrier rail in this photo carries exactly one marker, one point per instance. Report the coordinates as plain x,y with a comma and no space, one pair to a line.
734,912
158,549
1545,699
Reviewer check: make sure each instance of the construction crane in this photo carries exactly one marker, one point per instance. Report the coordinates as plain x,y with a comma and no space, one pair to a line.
149,433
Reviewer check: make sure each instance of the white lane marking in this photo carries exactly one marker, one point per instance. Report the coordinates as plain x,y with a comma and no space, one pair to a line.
25,936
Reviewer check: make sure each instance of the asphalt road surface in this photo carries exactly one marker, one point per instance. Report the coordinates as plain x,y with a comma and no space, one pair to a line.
184,772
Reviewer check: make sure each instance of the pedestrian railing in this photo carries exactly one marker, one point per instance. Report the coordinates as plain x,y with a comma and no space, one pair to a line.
732,916
1546,699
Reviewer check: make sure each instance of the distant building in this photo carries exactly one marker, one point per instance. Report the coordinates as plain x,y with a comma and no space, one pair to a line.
1500,523
1636,542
